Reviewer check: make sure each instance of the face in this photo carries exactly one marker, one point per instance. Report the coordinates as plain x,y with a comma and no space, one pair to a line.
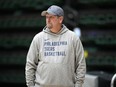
53,21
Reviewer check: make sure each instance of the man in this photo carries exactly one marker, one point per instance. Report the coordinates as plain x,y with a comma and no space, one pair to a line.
56,56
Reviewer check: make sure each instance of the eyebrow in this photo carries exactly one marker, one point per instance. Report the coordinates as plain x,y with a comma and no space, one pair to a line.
51,16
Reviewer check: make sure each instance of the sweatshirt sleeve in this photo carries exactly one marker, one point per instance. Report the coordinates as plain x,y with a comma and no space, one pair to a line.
31,63
80,64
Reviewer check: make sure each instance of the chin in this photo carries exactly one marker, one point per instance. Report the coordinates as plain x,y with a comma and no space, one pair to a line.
49,27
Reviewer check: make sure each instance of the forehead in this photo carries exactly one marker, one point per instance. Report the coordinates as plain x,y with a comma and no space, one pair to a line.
47,14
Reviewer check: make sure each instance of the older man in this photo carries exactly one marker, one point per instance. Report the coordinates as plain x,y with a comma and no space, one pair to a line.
56,56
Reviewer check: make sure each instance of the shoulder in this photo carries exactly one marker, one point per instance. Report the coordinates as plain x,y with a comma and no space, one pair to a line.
38,36
73,35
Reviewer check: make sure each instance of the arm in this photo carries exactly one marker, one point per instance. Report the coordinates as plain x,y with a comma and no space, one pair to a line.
31,63
80,64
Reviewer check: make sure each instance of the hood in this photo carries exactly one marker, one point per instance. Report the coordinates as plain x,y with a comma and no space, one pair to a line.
62,31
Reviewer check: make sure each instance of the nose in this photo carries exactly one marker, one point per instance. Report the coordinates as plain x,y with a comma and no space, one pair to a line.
48,19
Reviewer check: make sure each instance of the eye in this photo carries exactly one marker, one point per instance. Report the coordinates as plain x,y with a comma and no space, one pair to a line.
49,17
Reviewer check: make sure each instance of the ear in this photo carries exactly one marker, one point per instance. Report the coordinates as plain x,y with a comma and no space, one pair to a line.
61,19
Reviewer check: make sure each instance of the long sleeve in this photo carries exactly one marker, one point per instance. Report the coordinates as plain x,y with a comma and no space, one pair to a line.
31,63
80,64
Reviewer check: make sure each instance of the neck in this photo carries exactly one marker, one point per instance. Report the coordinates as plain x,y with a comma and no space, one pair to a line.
56,29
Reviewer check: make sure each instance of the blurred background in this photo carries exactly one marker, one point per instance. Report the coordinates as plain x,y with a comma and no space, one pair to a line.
93,20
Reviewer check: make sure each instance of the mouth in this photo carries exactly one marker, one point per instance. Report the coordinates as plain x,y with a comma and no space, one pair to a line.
49,25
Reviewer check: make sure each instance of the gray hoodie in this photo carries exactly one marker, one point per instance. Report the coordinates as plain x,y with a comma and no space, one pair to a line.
55,60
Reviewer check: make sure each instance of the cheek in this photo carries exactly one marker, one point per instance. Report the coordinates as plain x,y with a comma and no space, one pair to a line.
55,21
